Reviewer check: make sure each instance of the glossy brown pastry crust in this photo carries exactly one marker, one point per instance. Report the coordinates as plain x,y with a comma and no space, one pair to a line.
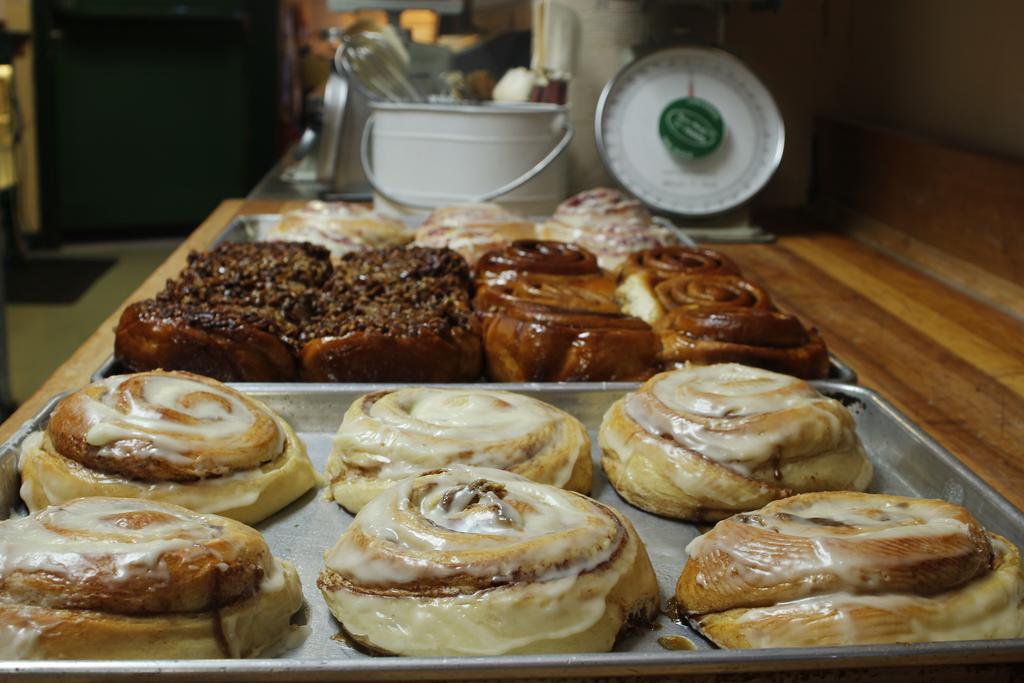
395,315
375,357
200,457
277,311
539,329
724,318
223,345
841,568
236,313
540,257
668,261
114,578
173,437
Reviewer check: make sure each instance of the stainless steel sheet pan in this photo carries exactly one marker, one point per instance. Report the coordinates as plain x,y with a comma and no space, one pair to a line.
838,371
255,227
907,462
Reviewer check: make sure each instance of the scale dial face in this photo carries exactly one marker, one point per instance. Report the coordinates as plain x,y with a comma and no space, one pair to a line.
689,130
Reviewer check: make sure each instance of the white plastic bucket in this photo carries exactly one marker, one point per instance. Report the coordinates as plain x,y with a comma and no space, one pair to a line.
422,156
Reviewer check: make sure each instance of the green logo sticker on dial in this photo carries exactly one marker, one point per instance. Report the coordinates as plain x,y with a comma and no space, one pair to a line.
691,128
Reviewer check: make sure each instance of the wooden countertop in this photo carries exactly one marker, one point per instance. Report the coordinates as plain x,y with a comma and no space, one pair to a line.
952,364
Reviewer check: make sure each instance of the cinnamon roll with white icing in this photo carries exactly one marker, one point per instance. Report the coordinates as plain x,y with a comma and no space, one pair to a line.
703,443
477,561
475,239
461,215
608,223
600,204
115,578
167,436
390,435
472,229
844,568
341,227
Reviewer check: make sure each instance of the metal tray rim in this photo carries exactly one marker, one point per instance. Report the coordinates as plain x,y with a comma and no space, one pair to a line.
847,376
705,661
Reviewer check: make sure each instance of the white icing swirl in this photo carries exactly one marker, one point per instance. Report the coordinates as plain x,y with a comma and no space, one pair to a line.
611,240
90,537
388,436
834,530
340,227
408,431
202,425
480,522
459,215
988,607
738,416
473,240
476,561
602,204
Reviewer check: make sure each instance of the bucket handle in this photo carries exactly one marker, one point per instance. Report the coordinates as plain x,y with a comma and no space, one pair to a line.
364,153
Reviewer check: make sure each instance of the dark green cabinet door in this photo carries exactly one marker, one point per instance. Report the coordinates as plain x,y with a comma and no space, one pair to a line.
159,110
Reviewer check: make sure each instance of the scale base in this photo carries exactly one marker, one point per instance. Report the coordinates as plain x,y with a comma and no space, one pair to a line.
730,227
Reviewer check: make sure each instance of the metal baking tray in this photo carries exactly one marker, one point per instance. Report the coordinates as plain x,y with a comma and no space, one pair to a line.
254,227
838,371
907,462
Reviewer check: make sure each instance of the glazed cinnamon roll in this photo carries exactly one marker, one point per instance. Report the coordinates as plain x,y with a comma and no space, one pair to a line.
387,436
166,436
115,578
538,257
340,227
608,223
477,561
703,443
601,204
644,270
539,329
844,568
668,261
470,235
724,318
612,241
459,215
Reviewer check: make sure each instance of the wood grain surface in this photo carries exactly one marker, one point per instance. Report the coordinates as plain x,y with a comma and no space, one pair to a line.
969,205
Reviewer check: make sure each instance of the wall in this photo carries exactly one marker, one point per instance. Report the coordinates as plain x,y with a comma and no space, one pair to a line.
946,69
797,52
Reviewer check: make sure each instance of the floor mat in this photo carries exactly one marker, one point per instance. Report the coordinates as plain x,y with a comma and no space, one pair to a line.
53,280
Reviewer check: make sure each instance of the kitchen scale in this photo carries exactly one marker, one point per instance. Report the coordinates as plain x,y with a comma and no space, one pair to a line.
692,132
